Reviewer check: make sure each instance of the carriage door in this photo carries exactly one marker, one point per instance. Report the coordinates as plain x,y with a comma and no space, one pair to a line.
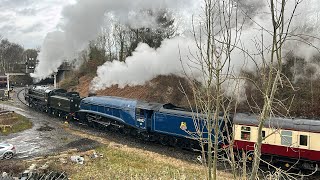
141,117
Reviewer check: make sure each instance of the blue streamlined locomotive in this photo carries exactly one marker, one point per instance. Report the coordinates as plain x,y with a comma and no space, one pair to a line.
165,123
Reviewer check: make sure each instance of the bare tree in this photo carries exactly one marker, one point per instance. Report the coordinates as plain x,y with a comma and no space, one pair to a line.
120,37
10,54
215,36
271,78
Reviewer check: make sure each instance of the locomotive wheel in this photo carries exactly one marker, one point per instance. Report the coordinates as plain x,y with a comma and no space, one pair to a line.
185,144
125,131
92,124
173,141
164,140
113,129
133,132
145,136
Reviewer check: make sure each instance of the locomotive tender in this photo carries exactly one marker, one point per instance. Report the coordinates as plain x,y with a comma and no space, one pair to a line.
287,141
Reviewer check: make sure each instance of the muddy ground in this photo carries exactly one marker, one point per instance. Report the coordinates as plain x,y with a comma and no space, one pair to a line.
47,136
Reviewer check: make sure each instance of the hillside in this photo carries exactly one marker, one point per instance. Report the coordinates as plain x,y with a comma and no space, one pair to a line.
162,89
300,101
167,89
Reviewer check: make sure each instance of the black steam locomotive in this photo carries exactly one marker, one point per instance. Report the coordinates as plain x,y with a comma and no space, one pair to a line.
53,101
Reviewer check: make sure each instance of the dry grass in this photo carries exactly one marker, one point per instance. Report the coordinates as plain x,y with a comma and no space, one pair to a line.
117,163
124,162
12,167
16,122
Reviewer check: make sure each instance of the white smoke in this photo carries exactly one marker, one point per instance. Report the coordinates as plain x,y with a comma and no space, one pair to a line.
146,63
82,22
308,26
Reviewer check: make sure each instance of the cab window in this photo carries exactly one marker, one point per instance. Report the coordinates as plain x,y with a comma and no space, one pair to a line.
303,140
139,113
245,133
286,138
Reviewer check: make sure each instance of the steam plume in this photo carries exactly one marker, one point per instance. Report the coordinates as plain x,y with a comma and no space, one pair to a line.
83,21
146,63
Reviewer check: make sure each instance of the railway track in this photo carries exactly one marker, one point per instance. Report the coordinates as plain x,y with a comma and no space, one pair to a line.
19,93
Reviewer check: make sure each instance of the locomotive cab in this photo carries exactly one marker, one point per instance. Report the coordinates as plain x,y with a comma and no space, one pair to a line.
143,118
144,113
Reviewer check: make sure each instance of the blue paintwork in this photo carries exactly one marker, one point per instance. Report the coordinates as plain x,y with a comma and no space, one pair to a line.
119,109
152,119
169,121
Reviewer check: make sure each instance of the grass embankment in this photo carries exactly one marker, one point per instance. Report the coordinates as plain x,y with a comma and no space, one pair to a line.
118,161
120,164
12,123
125,162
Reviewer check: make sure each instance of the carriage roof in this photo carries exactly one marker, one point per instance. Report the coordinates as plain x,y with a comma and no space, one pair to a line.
309,125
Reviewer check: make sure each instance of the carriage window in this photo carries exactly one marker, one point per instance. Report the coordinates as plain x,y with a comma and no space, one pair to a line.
303,140
286,138
263,134
245,133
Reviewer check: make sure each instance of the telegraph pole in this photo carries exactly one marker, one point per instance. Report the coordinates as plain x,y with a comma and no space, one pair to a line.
8,83
55,80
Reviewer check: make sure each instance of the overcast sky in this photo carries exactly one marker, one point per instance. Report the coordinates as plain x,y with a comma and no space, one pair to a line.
28,21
